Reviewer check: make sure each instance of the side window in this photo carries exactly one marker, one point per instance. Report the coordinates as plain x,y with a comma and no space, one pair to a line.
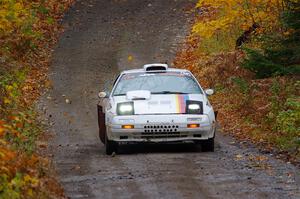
108,87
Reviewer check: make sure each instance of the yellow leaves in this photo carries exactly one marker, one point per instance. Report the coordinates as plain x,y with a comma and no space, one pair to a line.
11,94
30,180
214,3
30,192
236,16
18,6
12,15
130,58
9,88
7,101
208,29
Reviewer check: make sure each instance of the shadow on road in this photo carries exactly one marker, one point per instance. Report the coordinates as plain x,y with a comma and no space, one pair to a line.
158,148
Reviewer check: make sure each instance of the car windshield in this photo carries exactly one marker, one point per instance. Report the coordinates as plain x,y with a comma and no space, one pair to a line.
158,83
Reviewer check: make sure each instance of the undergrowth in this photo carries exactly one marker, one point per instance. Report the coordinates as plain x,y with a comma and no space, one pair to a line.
28,30
256,84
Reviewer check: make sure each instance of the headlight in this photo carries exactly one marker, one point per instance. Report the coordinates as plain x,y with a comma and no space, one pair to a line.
194,107
125,108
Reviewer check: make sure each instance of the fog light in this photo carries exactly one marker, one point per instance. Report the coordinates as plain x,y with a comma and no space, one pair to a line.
192,126
127,126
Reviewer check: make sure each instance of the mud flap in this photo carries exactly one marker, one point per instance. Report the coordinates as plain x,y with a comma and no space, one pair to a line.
216,114
101,123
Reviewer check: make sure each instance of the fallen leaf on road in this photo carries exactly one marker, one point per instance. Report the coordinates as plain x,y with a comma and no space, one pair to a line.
68,101
239,157
76,168
130,58
41,144
48,84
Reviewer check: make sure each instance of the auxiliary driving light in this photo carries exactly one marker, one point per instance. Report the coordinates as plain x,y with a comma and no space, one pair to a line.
125,108
193,126
194,106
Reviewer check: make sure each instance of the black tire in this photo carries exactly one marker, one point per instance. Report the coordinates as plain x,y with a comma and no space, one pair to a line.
101,123
110,146
208,145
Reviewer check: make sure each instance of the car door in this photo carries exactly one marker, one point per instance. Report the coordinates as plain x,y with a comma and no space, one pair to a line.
101,115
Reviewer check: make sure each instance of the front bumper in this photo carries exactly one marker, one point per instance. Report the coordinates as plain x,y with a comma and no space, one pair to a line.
160,128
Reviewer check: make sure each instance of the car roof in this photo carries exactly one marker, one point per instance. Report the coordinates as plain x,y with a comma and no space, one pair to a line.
143,71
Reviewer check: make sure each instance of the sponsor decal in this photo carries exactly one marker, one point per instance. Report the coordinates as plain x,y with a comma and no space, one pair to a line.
181,103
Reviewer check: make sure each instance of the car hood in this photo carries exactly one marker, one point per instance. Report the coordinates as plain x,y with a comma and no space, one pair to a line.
161,104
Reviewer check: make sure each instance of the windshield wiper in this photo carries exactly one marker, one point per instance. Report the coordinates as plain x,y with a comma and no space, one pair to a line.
168,92
119,94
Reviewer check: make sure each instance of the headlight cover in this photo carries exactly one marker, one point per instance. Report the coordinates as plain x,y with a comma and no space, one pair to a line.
194,107
125,108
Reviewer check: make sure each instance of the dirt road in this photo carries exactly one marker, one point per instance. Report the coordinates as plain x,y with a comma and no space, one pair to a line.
103,37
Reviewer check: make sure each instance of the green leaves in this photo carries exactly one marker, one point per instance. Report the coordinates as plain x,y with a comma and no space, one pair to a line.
242,84
262,65
288,122
281,53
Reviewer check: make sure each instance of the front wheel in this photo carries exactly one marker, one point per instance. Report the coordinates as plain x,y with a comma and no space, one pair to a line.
110,146
208,145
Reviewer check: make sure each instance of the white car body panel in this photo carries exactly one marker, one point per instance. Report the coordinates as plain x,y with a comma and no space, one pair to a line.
158,117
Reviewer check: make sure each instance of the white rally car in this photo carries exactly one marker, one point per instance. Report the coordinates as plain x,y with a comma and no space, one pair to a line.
156,104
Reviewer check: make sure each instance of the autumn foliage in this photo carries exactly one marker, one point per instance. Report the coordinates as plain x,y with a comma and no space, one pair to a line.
257,95
220,22
28,30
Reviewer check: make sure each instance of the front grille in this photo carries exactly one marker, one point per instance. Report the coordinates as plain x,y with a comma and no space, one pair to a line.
160,131
160,128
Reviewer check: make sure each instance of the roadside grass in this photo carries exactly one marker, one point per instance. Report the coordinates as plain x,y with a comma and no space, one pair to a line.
28,31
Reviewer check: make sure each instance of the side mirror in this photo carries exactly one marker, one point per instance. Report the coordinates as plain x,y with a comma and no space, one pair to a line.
102,95
209,92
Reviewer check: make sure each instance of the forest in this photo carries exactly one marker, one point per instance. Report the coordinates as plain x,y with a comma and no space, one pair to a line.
249,52
28,31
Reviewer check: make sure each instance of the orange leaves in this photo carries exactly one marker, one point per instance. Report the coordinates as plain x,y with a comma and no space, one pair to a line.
2,131
28,30
19,170
6,155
